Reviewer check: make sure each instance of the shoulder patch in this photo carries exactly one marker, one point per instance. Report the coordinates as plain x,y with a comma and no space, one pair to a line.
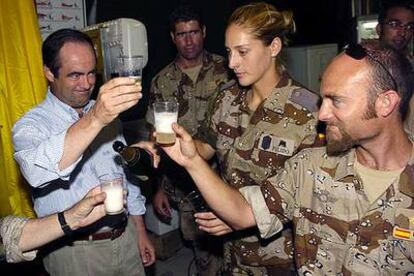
228,84
305,98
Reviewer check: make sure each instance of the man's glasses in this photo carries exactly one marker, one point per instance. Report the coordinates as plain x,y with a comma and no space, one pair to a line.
357,51
397,25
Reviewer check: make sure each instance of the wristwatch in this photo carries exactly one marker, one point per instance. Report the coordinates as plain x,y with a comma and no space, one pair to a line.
63,224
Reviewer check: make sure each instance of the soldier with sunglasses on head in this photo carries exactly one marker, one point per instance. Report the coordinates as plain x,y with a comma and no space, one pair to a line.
351,203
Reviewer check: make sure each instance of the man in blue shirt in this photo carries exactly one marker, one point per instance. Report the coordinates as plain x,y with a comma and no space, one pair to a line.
65,143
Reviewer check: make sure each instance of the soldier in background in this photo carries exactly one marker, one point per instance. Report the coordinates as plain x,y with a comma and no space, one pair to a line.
351,203
192,79
395,29
396,25
255,125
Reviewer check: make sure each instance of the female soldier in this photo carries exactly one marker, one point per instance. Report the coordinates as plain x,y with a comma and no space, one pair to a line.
255,125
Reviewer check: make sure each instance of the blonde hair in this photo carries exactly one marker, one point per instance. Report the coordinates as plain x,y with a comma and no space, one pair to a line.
264,21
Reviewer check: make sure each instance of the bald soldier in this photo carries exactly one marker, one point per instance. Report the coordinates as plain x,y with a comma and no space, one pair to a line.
351,202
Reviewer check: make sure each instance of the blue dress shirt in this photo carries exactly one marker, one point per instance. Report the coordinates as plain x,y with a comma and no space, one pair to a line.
38,139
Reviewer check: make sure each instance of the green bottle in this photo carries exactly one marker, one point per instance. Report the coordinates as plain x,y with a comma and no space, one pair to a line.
138,161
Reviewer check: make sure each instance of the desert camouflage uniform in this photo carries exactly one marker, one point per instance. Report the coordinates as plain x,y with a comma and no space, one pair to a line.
11,229
253,145
409,121
338,231
171,83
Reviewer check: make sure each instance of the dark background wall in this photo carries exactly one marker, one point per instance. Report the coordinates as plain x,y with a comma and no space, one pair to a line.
318,22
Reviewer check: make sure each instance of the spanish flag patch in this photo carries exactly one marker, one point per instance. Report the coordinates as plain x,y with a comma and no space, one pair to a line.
401,233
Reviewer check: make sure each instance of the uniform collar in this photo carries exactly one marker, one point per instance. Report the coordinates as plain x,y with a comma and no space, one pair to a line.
207,62
345,169
406,183
277,99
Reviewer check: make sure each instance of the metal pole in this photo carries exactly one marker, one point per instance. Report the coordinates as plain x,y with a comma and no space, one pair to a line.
353,8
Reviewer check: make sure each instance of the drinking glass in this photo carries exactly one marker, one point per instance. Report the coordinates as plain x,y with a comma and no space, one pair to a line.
131,66
165,114
112,185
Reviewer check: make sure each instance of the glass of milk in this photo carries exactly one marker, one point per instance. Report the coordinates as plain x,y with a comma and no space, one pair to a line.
165,114
112,185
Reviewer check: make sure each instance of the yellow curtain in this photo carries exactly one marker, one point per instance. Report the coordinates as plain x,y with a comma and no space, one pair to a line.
22,85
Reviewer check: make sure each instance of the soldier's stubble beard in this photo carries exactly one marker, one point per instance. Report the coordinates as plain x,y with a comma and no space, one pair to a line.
335,147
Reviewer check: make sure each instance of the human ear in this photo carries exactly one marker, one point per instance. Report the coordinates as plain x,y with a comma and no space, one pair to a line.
387,102
275,46
172,37
204,31
378,28
49,75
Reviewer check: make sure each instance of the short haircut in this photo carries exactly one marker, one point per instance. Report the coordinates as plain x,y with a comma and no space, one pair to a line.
184,13
387,5
400,69
55,41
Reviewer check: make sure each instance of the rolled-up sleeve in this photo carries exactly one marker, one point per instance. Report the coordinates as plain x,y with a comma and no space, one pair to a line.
273,202
11,229
135,200
38,152
268,224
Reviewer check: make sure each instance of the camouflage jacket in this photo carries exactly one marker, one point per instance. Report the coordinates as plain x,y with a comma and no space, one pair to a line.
172,83
409,120
338,231
11,229
253,145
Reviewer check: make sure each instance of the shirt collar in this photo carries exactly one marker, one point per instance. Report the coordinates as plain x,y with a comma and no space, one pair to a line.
68,110
207,62
406,184
277,99
345,169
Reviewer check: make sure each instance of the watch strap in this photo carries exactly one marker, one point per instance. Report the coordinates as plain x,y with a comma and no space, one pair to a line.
63,224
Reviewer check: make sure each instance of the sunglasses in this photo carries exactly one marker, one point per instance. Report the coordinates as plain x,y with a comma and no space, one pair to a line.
357,51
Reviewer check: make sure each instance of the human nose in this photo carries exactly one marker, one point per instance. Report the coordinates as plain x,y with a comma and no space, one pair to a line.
87,81
402,30
188,39
325,113
233,62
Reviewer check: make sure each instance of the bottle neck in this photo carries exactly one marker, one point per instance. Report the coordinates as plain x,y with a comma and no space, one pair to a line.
131,155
